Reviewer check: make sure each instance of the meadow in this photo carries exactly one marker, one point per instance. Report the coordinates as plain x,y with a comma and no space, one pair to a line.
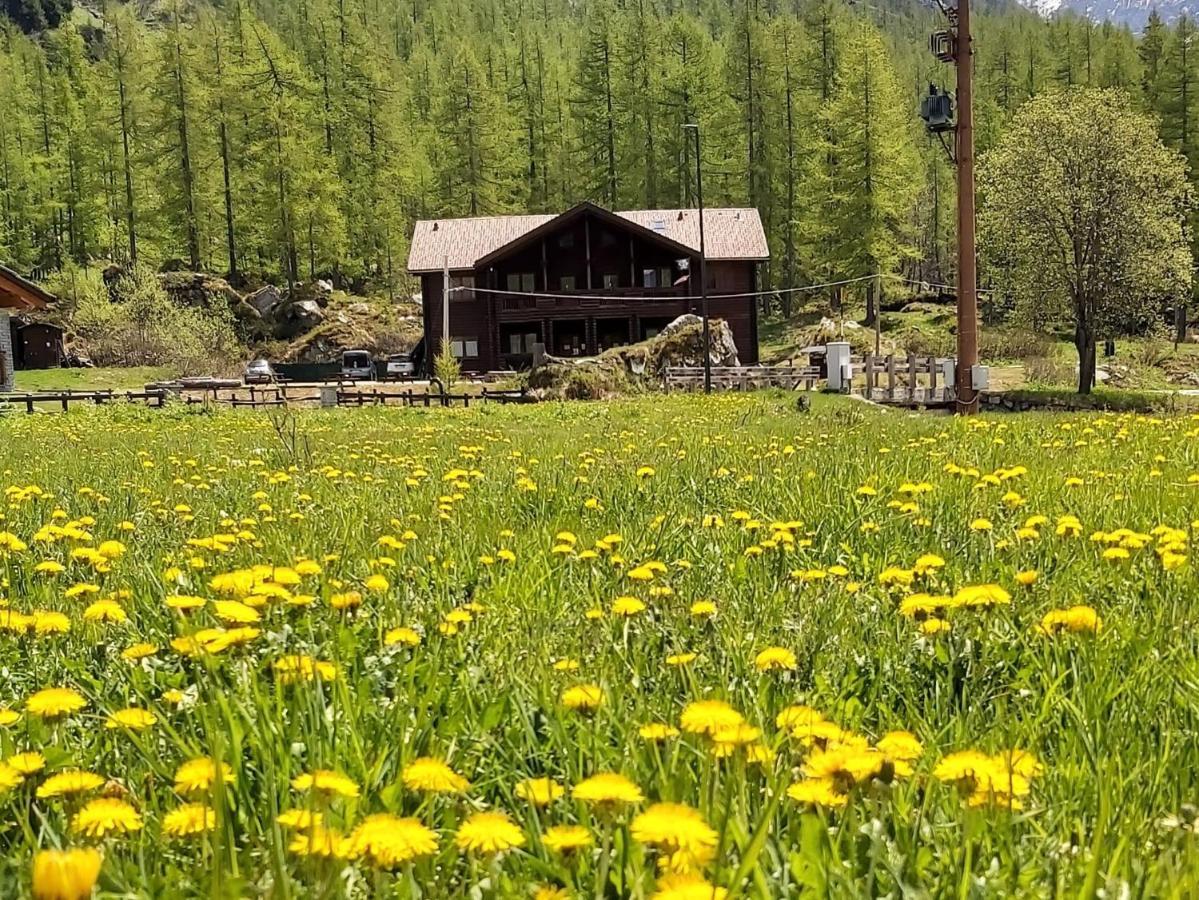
673,647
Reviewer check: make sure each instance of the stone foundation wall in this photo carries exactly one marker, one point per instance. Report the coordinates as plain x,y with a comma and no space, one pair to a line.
6,354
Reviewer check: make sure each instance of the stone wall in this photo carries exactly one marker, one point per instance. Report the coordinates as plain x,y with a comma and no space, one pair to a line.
6,353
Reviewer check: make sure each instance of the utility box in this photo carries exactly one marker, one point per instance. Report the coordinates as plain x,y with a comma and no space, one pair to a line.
328,395
840,371
980,377
949,375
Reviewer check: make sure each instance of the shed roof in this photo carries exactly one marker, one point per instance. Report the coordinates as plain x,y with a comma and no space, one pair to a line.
21,293
729,234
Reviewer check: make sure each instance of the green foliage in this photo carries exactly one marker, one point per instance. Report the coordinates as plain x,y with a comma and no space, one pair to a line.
293,140
134,323
1084,216
446,367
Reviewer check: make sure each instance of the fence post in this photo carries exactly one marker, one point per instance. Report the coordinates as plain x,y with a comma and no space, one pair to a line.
869,375
891,377
932,378
912,377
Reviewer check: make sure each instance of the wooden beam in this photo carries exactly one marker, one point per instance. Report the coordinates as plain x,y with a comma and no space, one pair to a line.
587,244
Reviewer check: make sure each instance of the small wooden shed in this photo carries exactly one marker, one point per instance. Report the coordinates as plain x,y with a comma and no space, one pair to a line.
20,295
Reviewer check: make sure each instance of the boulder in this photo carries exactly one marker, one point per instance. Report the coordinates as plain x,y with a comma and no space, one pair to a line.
265,300
198,289
723,349
293,319
318,292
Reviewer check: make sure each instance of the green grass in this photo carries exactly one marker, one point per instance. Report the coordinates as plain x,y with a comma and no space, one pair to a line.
122,379
505,536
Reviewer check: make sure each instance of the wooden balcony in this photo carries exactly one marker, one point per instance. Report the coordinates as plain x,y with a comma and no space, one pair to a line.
591,302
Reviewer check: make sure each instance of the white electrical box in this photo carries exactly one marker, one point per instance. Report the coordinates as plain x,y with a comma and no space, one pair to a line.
980,377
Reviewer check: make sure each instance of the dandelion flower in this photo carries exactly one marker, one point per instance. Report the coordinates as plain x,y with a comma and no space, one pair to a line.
687,886
817,792
433,776
50,703
299,818
65,874
104,816
583,697
26,763
403,636
567,838
679,832
388,841
607,789
189,820
73,781
200,774
774,659
488,833
326,781
319,841
132,718
539,791
708,716
657,731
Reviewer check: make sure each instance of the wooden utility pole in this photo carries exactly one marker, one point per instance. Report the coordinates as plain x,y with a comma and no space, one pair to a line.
967,398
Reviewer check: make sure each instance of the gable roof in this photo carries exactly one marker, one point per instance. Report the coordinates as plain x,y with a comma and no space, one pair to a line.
729,234
21,293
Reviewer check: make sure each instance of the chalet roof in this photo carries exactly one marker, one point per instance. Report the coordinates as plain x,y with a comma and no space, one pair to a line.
21,293
730,234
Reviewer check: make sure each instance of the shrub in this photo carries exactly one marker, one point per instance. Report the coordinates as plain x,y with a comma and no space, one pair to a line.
446,367
999,344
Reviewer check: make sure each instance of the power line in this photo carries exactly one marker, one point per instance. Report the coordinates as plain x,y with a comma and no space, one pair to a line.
770,293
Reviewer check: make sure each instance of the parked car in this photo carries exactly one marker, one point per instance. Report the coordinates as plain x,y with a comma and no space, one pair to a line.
400,365
260,371
357,365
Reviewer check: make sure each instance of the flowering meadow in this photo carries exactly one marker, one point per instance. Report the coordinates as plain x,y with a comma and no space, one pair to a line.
658,648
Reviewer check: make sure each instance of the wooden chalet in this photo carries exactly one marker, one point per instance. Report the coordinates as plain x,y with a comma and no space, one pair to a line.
583,281
18,297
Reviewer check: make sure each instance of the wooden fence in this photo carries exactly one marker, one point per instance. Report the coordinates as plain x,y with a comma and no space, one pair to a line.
743,378
910,380
64,399
353,395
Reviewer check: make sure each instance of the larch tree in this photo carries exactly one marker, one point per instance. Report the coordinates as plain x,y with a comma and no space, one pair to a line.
874,180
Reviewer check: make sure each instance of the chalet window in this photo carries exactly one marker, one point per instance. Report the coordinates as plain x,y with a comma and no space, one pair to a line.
611,281
522,343
524,282
465,348
566,283
665,277
566,241
467,285
649,278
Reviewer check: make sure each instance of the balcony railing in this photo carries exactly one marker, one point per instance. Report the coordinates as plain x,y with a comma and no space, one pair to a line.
596,298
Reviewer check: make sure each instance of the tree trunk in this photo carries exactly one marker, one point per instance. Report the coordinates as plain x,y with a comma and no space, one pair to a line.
1084,342
1180,322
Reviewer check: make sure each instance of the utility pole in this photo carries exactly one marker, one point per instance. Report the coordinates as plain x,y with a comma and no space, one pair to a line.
954,46
703,260
445,304
967,399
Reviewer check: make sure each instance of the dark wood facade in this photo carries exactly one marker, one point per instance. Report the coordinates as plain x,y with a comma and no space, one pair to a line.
580,284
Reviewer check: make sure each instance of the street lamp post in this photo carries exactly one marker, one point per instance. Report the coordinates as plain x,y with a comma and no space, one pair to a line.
703,260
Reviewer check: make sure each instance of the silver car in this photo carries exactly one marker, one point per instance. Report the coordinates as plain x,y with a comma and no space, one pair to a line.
260,372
